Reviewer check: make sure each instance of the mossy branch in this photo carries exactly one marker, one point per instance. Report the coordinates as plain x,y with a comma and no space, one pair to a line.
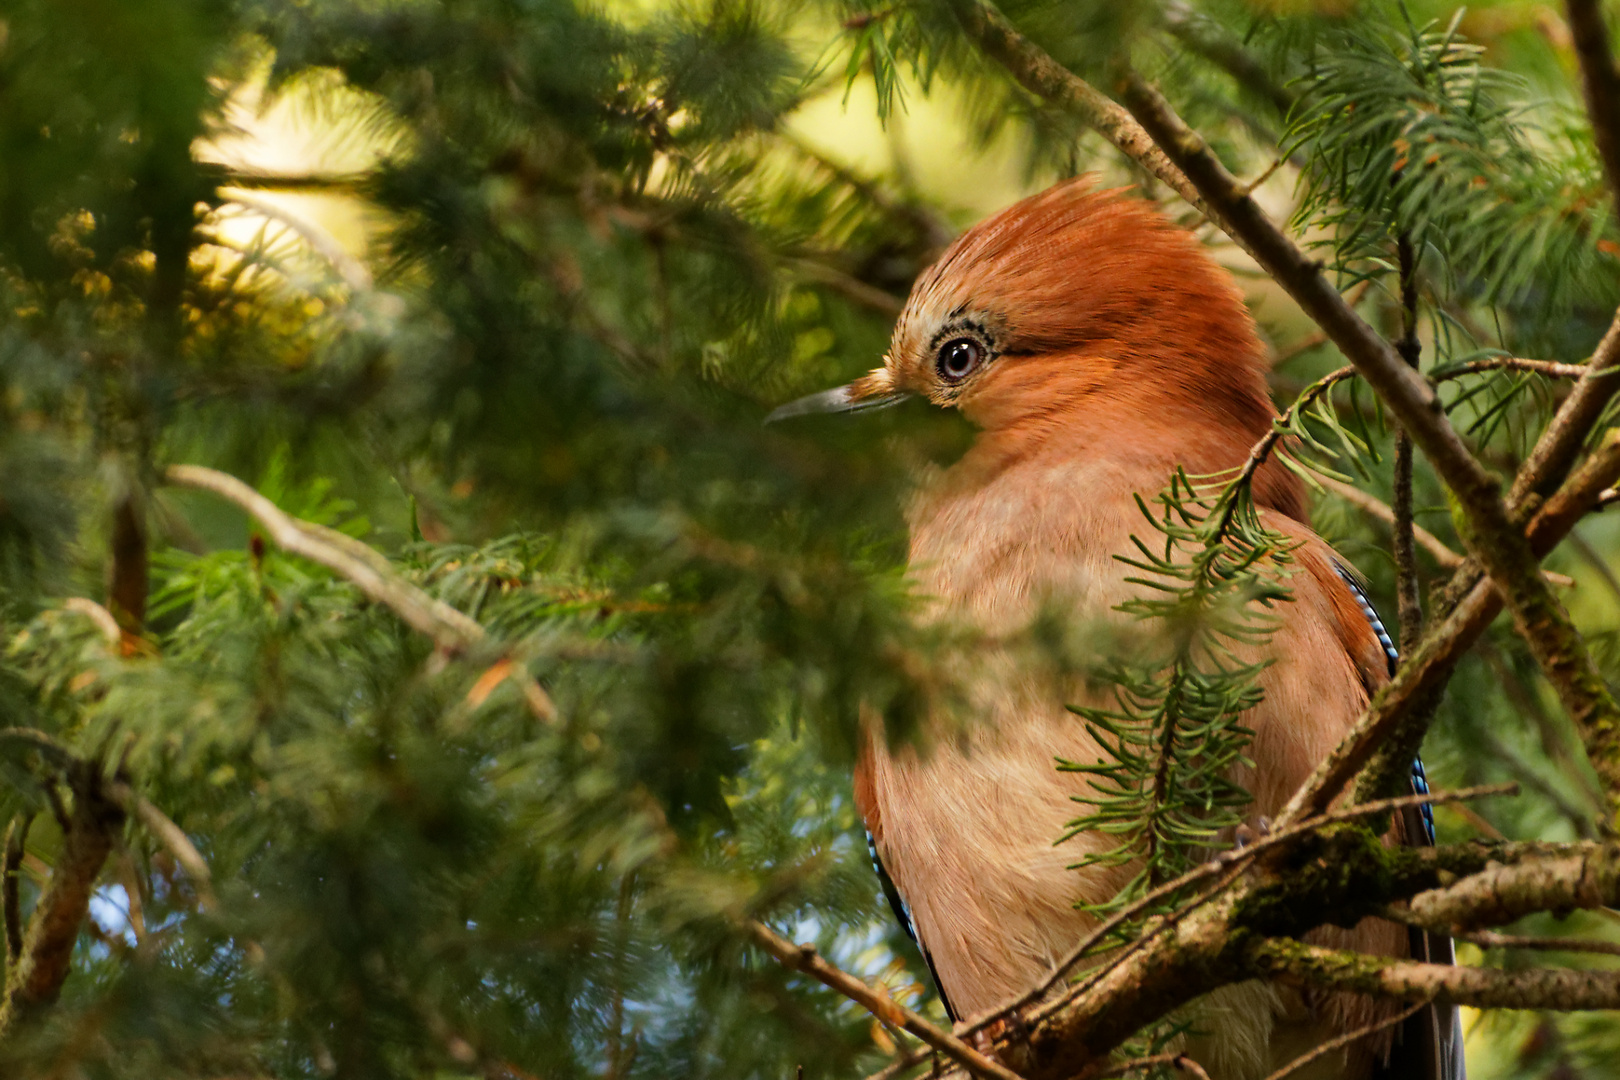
1299,964
1341,875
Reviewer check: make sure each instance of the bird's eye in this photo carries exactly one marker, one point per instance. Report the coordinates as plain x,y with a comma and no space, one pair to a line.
958,357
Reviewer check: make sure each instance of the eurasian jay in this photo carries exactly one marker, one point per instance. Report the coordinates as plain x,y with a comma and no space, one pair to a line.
1097,348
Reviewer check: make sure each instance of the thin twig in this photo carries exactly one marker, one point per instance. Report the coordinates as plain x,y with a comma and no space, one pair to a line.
1345,1040
59,755
171,836
1488,939
449,628
1378,508
1408,598
1561,441
805,958
350,270
1550,368
1180,1062
1267,442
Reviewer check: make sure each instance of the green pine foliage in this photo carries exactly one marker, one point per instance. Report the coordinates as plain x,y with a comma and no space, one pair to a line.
1169,788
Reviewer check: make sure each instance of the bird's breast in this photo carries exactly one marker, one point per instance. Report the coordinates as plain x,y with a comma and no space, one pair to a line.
991,553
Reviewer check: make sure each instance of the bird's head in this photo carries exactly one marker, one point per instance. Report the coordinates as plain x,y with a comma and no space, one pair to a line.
1065,309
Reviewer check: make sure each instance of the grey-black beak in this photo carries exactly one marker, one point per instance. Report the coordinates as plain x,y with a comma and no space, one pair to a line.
840,399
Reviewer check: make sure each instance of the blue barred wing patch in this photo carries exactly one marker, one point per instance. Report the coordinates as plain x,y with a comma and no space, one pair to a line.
1392,656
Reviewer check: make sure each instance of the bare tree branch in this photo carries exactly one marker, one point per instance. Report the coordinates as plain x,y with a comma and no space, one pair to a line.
1336,879
805,958
1550,368
1227,867
1560,444
449,628
1344,1040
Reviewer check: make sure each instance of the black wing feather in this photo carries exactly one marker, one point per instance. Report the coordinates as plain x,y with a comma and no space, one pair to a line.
902,914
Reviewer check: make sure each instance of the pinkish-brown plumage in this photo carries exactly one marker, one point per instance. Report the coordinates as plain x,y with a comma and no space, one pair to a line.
1105,349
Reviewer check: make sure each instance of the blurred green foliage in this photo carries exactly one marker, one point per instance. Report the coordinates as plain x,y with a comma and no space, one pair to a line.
600,245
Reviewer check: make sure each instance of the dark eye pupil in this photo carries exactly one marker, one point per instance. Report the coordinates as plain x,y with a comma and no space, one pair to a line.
959,357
